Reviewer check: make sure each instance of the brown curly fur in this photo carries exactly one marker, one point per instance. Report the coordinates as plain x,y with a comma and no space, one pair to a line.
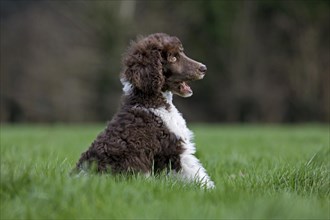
136,140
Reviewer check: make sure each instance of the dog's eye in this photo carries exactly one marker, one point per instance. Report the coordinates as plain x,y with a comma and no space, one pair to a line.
173,59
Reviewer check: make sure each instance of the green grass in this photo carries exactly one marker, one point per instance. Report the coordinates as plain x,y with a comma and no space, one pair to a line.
260,172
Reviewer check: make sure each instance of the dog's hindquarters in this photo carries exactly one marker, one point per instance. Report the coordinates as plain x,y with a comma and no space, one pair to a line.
136,140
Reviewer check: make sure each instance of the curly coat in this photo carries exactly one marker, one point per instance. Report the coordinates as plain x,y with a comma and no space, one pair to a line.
143,136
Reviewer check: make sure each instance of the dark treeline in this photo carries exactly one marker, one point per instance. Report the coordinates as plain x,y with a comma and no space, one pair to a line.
268,61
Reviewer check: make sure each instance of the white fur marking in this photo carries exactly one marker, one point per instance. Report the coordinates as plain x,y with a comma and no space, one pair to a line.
191,167
127,87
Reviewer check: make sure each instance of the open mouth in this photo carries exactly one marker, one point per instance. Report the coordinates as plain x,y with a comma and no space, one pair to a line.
185,88
181,86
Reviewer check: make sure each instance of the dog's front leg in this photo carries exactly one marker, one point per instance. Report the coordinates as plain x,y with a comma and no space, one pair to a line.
193,170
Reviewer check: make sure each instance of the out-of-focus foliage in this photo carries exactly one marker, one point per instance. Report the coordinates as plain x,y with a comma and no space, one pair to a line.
268,61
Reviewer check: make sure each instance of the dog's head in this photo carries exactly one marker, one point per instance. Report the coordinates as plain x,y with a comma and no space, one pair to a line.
157,63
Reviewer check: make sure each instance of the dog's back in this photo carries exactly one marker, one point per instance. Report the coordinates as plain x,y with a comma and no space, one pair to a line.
135,140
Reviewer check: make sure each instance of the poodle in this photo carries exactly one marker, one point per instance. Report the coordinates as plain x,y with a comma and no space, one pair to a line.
148,134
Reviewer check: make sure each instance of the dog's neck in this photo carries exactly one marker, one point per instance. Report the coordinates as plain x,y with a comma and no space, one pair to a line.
134,97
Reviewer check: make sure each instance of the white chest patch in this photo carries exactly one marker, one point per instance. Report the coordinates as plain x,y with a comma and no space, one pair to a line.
175,123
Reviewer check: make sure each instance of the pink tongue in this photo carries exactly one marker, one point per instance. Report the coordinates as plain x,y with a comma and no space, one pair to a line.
185,88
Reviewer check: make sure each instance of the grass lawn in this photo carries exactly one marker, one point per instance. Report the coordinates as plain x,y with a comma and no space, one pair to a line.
260,172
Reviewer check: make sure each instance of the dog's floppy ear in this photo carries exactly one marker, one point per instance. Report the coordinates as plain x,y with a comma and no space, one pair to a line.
144,71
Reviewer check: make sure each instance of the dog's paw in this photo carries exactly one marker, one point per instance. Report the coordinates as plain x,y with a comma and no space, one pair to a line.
209,185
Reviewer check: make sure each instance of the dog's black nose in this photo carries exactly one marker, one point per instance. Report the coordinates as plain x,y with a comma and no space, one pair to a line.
202,68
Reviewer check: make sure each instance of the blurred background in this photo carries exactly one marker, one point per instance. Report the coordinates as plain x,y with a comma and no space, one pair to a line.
268,61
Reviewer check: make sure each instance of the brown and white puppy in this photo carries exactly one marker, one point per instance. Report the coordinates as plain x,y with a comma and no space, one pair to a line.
148,134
